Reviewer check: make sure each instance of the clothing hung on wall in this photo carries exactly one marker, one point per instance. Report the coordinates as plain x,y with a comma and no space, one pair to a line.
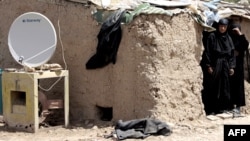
109,39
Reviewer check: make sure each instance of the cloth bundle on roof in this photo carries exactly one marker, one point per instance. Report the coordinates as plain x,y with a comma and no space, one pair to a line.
116,4
145,8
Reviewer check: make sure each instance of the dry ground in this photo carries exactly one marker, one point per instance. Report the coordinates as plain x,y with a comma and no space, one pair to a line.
197,130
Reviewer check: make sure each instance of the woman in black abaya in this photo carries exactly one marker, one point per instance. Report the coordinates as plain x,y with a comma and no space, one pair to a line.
219,61
237,80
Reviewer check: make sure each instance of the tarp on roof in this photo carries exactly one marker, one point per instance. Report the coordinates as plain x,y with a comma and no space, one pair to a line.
203,12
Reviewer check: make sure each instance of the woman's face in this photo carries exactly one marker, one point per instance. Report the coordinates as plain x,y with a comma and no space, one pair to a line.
222,28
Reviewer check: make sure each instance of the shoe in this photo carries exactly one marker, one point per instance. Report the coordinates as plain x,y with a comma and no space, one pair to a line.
236,112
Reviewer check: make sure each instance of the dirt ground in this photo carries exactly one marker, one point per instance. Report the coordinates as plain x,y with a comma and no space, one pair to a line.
197,130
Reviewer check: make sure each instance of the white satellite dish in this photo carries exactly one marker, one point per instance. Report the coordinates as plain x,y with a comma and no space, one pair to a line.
32,39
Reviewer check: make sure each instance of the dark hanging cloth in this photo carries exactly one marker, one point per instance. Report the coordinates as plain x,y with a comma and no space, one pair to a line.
141,128
237,80
109,39
218,54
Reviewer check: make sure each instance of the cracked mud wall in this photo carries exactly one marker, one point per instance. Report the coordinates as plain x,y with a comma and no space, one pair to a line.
167,52
157,72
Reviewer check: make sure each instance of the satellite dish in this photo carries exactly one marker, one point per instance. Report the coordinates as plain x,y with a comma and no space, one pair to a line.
32,39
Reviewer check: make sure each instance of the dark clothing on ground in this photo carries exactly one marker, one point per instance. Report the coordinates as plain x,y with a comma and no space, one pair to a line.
237,80
141,128
218,54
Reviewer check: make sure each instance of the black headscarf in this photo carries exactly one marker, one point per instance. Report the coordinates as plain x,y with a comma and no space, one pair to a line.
234,25
223,21
223,38
232,33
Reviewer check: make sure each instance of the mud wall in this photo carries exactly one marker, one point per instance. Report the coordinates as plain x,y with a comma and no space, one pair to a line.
157,72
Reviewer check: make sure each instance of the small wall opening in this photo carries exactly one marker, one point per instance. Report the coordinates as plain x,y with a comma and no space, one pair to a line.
105,113
18,102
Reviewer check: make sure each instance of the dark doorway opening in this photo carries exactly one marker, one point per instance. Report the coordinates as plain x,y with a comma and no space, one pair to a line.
105,113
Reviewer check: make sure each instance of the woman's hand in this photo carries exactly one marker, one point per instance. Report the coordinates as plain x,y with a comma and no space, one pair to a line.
210,70
237,31
231,72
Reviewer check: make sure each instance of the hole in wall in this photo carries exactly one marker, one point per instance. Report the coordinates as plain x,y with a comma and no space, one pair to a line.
105,113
